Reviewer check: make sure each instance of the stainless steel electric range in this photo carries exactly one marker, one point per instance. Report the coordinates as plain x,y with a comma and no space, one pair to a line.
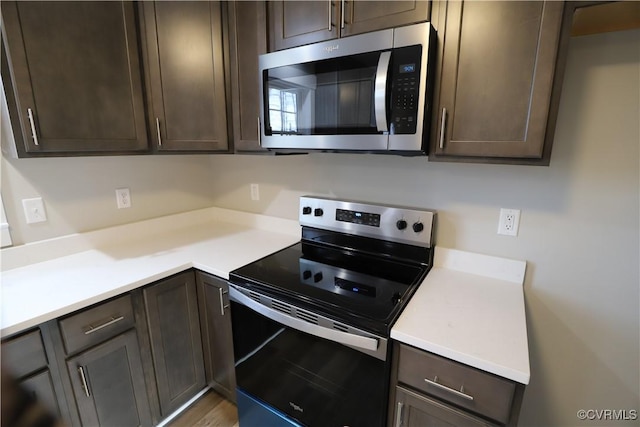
311,322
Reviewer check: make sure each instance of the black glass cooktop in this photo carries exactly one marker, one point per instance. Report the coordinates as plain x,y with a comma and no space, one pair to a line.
362,290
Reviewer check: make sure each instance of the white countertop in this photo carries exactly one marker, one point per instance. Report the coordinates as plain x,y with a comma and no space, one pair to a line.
99,265
470,309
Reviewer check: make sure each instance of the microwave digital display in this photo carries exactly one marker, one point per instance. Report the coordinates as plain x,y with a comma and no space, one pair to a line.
407,68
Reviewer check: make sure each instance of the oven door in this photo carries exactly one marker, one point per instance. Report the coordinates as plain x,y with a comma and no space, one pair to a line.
282,364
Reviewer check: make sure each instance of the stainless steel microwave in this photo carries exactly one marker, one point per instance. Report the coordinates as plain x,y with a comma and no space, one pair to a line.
364,93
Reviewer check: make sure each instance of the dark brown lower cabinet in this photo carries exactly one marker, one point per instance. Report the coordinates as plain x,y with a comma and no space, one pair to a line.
416,410
428,390
108,384
176,344
215,319
24,358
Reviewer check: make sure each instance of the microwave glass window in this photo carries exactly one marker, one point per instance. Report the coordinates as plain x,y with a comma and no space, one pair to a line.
283,110
328,97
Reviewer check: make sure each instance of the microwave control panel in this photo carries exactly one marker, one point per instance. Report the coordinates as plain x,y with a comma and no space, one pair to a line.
405,82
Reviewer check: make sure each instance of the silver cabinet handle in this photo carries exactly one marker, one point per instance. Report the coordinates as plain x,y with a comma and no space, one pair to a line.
259,133
83,379
399,414
33,126
222,305
380,92
329,2
93,329
342,14
346,338
460,393
158,130
443,123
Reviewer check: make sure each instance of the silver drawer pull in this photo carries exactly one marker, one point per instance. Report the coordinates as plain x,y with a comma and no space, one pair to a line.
93,329
460,393
85,386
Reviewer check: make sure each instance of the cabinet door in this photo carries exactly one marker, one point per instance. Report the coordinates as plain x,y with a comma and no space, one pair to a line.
295,23
176,345
108,384
247,39
75,77
216,331
41,387
496,78
365,16
416,410
186,75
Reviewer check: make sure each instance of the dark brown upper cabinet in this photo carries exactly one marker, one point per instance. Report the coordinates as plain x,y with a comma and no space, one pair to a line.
72,77
498,80
186,86
293,23
247,40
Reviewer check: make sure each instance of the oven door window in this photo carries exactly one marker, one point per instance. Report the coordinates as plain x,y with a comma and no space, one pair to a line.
312,380
329,97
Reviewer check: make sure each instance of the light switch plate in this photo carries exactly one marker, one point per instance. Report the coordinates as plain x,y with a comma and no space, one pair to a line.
34,210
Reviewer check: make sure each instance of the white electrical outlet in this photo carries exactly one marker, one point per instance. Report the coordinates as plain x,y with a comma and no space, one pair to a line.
34,210
509,222
255,192
123,198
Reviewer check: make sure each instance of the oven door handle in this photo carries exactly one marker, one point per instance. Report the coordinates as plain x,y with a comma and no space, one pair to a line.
345,338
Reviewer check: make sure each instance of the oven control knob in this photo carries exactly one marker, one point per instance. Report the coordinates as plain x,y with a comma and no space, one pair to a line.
317,277
306,210
306,274
318,212
401,224
418,227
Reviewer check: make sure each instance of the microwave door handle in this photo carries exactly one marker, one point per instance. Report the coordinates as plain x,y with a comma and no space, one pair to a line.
380,92
358,341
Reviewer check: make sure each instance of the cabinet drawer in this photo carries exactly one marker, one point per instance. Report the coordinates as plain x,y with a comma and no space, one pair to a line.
96,324
24,354
464,386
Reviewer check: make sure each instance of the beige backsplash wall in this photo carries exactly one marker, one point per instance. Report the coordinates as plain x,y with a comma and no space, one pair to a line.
579,228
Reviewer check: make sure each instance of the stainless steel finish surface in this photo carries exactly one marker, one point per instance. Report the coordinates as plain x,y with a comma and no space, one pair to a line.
380,92
93,329
408,36
342,14
33,126
379,40
158,130
389,216
443,123
362,43
83,379
460,393
309,322
329,7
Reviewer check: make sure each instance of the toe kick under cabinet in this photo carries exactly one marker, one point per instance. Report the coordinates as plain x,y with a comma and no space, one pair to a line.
430,390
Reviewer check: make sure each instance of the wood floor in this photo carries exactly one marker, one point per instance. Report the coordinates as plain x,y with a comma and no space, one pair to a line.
211,410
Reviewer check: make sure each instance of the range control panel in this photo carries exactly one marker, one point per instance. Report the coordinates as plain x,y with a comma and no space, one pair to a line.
384,222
